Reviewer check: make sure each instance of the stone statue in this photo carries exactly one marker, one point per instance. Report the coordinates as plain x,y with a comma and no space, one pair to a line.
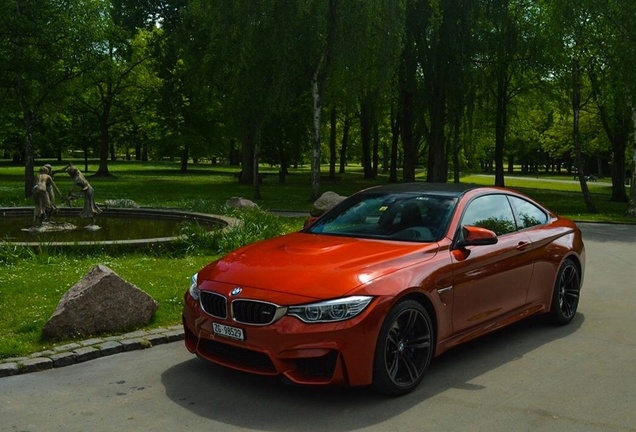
44,195
49,171
90,209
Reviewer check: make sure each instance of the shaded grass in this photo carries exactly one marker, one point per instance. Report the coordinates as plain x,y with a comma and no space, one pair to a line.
161,184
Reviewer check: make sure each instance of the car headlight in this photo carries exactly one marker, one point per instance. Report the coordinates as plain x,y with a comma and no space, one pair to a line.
330,310
194,290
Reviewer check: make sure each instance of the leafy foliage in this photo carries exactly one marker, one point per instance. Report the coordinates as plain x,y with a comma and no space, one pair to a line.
451,86
255,225
10,254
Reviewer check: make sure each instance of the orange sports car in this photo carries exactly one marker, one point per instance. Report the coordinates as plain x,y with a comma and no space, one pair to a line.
371,291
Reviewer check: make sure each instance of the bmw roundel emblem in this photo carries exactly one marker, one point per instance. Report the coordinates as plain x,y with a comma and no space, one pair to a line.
236,291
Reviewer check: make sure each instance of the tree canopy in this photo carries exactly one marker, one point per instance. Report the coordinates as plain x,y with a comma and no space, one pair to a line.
447,86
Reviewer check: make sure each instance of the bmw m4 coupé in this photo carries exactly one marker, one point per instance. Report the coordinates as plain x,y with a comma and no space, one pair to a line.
372,290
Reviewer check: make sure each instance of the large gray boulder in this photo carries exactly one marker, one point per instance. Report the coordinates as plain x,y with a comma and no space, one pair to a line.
325,202
101,302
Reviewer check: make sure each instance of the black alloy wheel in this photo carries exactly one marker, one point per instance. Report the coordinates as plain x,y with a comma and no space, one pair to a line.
404,349
565,299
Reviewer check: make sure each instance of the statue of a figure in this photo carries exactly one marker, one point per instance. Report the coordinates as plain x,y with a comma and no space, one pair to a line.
49,171
90,208
44,195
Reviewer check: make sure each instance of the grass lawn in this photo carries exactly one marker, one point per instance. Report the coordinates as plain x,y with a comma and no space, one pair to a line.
31,289
31,283
159,184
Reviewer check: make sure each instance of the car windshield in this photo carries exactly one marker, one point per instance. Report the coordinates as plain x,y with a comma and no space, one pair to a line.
417,217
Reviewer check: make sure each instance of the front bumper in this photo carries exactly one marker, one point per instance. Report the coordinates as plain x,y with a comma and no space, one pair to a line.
339,353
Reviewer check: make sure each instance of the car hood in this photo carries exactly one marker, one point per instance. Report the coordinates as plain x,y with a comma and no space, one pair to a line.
312,265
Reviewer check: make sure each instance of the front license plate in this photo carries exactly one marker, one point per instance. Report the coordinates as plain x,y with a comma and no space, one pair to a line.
228,331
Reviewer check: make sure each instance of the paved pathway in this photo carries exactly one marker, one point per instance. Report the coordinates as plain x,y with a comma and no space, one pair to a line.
530,377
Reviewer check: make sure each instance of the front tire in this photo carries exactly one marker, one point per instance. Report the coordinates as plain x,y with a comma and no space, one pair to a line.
404,349
565,298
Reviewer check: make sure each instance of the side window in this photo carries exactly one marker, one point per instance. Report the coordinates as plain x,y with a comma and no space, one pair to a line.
528,214
492,212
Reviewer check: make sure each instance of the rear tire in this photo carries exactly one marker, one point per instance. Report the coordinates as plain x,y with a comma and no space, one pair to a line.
565,298
404,349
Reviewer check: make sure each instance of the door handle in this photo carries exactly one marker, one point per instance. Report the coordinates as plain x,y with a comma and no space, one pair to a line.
522,245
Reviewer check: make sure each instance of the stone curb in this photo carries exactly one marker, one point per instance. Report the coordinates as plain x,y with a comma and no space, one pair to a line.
78,352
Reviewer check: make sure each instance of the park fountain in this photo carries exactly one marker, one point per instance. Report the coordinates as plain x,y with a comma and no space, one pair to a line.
46,224
117,226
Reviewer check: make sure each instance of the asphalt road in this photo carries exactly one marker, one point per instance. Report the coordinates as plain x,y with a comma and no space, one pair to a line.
532,377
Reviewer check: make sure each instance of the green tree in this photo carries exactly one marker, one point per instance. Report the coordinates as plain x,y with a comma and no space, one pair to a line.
42,47
434,82
112,73
461,82
613,81
569,28
246,56
410,109
511,49
370,54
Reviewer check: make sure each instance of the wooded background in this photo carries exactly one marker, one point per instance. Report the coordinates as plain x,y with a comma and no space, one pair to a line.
448,85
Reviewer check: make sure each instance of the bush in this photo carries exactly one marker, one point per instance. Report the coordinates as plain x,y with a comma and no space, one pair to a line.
10,254
256,225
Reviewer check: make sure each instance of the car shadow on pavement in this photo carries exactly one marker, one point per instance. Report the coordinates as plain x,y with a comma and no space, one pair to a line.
266,403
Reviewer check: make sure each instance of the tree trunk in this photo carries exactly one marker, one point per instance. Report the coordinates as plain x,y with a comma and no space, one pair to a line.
316,91
345,143
616,126
104,144
29,163
282,173
234,154
256,180
456,148
375,158
619,193
395,139
386,155
28,116
247,159
332,143
406,132
500,128
437,171
576,108
365,137
408,143
185,155
406,107
631,208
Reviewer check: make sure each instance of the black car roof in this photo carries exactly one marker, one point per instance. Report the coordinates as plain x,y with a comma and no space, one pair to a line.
445,189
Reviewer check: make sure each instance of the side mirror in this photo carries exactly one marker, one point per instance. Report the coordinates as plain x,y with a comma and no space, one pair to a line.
476,236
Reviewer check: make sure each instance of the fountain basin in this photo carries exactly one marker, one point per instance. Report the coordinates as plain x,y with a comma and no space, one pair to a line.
117,226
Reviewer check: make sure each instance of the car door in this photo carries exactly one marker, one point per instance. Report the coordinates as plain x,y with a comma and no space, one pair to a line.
490,280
